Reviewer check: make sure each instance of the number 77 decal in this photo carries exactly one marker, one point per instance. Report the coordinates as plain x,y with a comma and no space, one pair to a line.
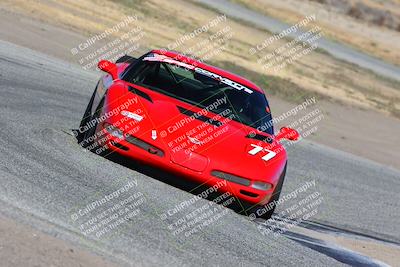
257,149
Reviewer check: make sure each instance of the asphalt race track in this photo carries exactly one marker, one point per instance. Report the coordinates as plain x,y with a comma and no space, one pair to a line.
45,175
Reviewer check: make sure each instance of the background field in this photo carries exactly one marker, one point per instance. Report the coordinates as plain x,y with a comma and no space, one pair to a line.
361,108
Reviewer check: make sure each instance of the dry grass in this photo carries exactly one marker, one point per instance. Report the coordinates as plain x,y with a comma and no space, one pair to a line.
164,21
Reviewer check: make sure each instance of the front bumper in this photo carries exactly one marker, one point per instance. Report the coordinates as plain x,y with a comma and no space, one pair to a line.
149,154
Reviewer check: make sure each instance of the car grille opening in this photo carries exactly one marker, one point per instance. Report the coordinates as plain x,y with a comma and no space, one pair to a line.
118,145
231,177
247,193
144,145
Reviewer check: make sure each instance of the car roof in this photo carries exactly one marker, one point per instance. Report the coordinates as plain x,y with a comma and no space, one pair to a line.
234,77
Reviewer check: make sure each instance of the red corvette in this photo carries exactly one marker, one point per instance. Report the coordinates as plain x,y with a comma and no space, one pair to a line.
189,118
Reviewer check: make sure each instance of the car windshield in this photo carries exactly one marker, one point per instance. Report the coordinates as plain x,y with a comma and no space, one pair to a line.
203,89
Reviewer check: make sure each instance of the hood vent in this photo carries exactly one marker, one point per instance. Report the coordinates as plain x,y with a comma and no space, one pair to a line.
140,93
260,137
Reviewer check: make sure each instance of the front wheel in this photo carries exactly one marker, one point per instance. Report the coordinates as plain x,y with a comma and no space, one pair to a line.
266,211
81,136
90,133
89,122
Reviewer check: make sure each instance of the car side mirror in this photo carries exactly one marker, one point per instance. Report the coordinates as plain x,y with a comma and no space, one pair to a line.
288,134
108,67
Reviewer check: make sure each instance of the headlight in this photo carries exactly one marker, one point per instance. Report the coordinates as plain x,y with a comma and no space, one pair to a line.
114,131
261,185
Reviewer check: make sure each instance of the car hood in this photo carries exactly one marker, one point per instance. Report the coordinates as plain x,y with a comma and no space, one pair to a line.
201,140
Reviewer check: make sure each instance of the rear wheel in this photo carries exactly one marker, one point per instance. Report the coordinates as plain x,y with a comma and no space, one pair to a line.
266,211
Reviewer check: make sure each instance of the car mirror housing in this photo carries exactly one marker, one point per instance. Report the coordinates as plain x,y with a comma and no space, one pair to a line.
108,67
288,134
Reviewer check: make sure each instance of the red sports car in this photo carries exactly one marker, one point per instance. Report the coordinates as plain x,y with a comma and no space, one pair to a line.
192,119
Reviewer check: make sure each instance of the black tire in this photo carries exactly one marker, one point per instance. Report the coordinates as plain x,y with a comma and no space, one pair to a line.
84,139
85,119
88,140
275,197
